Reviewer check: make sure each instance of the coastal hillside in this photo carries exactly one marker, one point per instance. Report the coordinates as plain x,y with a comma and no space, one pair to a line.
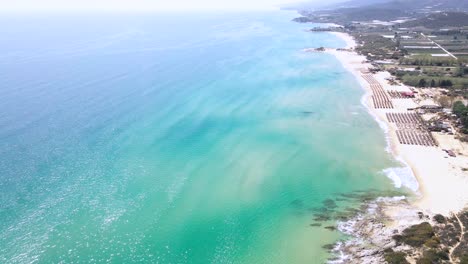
439,20
383,10
329,5
425,5
409,5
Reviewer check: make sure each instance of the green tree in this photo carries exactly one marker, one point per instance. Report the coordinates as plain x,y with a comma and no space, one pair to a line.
464,121
460,71
422,83
433,83
459,108
446,83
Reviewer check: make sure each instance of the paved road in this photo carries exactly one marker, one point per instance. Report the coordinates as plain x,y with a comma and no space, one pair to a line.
446,51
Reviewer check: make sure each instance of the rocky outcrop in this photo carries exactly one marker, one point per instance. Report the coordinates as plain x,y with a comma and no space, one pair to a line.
393,231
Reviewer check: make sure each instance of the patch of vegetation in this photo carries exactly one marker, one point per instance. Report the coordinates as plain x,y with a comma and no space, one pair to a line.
449,232
377,47
464,259
345,15
433,256
418,235
438,20
429,71
461,111
392,257
462,250
428,60
433,242
417,80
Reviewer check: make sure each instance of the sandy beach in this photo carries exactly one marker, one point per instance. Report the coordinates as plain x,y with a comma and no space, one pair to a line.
443,181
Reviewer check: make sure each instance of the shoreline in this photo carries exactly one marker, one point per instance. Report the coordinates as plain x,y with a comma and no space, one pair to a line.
441,181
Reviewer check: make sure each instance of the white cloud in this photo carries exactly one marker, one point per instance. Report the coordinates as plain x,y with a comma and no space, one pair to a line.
136,5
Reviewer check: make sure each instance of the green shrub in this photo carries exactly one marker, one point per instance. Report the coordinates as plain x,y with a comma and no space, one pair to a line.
417,235
439,218
433,256
432,242
459,108
392,257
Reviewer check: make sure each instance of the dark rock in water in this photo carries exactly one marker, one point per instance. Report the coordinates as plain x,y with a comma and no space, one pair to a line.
350,195
363,191
307,112
322,211
331,228
328,247
316,224
329,203
367,197
352,211
347,214
340,199
322,218
343,216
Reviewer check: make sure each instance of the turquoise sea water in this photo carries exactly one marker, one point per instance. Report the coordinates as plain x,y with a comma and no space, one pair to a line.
177,138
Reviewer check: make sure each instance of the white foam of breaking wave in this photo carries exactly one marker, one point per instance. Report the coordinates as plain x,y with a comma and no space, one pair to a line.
342,257
401,176
393,199
381,123
349,228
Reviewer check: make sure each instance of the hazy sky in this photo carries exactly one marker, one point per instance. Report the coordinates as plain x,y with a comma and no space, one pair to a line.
149,5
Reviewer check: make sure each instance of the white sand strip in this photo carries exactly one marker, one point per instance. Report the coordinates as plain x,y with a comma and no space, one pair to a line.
442,179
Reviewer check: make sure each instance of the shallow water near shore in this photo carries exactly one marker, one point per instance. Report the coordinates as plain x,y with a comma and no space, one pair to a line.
179,138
